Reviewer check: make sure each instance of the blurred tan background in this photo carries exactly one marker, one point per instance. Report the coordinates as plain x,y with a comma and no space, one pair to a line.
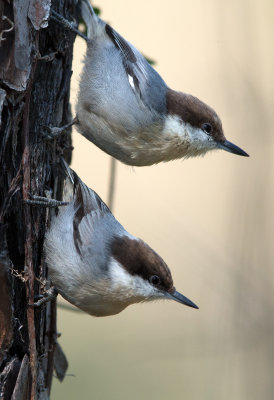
210,218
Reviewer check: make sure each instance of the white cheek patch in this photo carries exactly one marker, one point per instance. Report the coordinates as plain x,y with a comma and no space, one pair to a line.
195,137
119,277
199,140
134,285
174,125
197,134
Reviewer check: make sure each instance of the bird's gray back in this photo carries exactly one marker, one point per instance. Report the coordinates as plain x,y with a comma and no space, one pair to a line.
106,91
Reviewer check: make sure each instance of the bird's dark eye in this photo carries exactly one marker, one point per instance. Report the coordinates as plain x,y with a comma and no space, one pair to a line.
154,279
207,127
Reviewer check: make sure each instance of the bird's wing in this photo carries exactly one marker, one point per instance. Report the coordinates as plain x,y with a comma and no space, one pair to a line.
145,82
90,209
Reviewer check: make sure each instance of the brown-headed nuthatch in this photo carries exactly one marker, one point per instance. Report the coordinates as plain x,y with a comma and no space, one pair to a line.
126,109
96,264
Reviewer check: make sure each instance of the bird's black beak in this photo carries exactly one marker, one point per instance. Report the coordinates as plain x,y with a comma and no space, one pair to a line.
181,299
232,148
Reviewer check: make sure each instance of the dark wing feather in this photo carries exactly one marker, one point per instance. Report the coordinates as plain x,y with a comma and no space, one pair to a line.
121,44
134,67
145,82
87,204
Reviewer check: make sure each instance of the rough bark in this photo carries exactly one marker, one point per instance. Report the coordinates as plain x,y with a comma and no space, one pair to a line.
35,72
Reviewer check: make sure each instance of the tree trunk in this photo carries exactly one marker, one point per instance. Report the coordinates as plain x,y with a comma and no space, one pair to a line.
35,72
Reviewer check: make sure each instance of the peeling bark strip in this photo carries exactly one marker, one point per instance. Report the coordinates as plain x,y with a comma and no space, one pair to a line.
29,270
35,71
39,13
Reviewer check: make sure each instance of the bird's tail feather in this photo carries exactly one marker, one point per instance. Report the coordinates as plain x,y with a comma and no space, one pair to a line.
90,18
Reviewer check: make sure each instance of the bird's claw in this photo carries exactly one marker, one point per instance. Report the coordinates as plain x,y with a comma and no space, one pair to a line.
49,295
53,132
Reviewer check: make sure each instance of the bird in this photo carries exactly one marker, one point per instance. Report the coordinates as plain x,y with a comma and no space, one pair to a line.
94,263
126,109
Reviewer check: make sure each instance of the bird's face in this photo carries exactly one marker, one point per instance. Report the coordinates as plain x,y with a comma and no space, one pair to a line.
139,274
198,125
